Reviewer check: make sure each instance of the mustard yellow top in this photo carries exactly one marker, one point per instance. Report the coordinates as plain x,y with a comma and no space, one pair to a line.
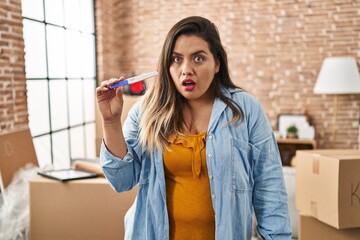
191,215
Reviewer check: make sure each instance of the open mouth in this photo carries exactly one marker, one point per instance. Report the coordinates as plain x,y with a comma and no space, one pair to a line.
188,82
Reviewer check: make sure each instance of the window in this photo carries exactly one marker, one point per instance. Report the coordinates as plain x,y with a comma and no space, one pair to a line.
60,67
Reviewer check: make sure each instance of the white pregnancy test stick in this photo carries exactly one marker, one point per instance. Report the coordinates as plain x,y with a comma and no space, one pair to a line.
135,79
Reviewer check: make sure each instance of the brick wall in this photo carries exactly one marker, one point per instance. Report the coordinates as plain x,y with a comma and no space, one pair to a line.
275,50
13,104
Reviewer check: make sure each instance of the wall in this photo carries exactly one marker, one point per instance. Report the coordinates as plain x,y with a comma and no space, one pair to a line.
13,103
275,50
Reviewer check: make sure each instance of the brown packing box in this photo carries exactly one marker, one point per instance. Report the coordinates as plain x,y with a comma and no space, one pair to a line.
77,210
16,150
312,229
328,186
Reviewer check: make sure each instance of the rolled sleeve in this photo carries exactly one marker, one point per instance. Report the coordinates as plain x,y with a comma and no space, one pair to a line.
122,173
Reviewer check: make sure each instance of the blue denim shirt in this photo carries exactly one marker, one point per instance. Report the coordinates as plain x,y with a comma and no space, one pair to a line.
244,169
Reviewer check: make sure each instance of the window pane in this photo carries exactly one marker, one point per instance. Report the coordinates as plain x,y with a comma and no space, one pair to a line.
87,16
88,56
35,57
61,45
76,104
42,148
33,9
73,54
58,103
56,51
77,142
54,12
61,149
37,92
89,99
72,16
90,140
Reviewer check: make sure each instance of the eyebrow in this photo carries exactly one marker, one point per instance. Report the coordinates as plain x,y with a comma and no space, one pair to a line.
194,53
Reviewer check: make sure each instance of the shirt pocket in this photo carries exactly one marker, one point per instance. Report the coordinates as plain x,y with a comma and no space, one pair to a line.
243,155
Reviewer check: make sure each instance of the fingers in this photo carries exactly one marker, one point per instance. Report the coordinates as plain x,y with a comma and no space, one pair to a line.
102,88
104,85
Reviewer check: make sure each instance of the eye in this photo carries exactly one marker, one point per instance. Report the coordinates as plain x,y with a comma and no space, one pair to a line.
198,59
176,59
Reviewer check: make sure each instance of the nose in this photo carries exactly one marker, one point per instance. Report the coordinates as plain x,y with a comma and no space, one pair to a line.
187,68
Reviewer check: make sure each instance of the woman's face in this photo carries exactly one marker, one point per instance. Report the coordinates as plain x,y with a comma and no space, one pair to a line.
193,67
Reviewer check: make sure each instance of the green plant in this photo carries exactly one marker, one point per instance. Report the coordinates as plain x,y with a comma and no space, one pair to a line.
292,129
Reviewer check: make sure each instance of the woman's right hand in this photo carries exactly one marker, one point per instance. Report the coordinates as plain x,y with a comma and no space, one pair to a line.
110,101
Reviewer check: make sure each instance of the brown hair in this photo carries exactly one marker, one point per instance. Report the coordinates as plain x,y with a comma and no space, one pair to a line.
161,112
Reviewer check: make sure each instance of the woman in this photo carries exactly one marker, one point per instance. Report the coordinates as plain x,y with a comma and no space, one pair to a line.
200,149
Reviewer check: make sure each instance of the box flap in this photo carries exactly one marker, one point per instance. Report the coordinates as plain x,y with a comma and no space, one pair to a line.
16,150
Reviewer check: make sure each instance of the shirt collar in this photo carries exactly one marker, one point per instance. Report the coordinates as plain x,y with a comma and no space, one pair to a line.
219,105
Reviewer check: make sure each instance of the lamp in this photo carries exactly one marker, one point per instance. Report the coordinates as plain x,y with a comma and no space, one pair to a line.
338,75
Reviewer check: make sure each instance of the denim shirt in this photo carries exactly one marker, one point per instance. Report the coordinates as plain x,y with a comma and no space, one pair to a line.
244,168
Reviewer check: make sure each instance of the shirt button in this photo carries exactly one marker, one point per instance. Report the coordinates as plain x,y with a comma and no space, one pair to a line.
210,155
210,177
213,196
210,137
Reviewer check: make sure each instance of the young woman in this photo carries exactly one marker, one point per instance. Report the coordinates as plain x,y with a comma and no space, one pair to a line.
200,149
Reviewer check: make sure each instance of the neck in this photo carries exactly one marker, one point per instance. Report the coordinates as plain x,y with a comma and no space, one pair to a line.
197,116
197,104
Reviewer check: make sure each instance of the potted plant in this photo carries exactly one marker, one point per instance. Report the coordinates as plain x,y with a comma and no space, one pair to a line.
292,132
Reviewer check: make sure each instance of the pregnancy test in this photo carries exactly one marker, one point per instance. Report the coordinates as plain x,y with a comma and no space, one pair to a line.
134,79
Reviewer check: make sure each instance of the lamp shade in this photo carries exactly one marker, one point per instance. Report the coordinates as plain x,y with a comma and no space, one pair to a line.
338,75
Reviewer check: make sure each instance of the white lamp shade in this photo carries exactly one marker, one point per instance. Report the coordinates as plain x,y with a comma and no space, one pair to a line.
338,75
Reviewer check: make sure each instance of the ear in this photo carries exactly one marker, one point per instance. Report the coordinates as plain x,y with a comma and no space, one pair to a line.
217,66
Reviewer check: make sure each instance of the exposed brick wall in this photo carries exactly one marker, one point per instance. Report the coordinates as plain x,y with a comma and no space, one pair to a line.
13,103
275,50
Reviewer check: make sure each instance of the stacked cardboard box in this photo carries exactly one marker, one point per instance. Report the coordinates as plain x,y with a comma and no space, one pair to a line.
312,229
328,194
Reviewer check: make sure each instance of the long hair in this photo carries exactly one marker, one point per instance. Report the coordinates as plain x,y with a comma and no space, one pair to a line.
161,111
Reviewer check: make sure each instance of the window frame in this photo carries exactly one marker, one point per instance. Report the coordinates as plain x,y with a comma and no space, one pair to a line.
49,80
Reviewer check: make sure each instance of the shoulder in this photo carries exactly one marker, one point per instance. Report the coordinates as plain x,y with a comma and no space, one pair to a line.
242,98
253,113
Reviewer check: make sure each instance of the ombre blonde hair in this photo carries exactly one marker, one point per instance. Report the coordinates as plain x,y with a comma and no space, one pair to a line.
161,110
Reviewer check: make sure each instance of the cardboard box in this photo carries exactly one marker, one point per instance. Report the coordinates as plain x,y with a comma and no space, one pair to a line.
328,186
312,229
16,150
81,209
